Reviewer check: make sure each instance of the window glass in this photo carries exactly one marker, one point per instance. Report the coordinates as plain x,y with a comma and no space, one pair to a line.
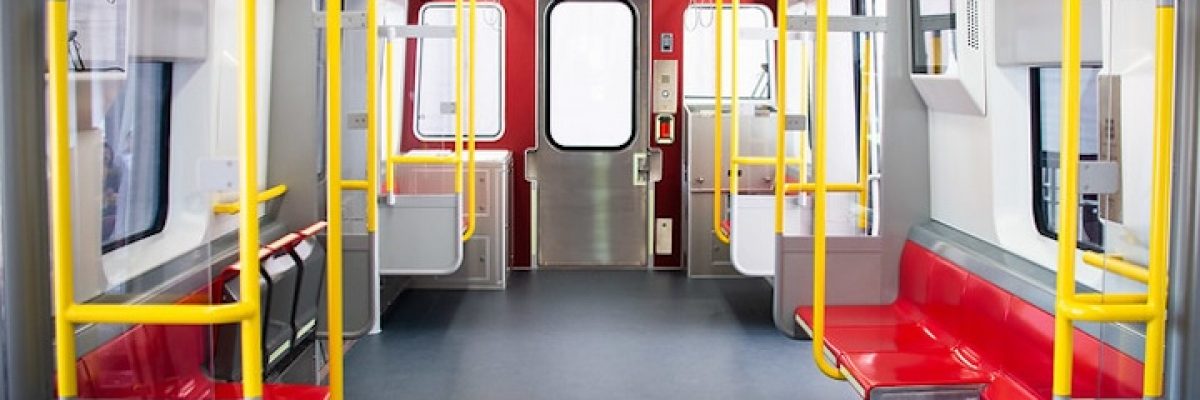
135,157
754,56
1047,105
434,105
934,35
591,74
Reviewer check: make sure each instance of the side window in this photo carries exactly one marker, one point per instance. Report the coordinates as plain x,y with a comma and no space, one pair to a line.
754,57
1046,86
136,131
434,105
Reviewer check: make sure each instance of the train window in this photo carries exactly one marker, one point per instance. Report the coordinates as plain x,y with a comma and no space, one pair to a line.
934,25
136,129
590,69
1046,100
754,57
434,104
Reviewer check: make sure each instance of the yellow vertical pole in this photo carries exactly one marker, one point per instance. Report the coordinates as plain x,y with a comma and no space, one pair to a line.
802,140
735,120
1068,200
470,124
390,116
864,130
819,202
60,195
781,111
718,140
333,198
372,192
936,44
248,241
1160,200
458,105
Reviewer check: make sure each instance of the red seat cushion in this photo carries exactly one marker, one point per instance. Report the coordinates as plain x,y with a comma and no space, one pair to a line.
1005,387
929,368
949,327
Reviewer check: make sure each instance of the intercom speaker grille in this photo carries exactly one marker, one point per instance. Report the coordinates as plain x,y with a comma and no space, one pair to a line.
973,24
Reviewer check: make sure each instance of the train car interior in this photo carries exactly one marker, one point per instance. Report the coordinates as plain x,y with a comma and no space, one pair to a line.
599,199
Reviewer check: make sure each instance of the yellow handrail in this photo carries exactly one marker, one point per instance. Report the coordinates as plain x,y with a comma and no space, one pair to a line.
234,207
372,159
438,159
718,214
471,180
1151,307
333,195
389,117
1117,265
819,171
246,310
864,129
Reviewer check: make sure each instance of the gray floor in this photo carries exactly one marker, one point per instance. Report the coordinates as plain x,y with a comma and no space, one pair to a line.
559,335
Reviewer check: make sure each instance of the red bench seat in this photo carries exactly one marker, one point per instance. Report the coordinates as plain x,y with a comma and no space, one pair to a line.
169,362
949,328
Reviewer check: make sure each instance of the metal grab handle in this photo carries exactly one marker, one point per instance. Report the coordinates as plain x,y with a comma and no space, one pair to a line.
246,310
392,159
234,207
1151,307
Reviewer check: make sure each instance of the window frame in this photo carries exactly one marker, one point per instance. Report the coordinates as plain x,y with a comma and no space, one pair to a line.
162,200
1040,220
633,84
501,126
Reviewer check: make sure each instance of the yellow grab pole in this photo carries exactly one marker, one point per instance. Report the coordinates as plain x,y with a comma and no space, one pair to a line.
718,215
936,43
819,203
470,124
372,159
735,124
1068,199
864,129
1160,200
389,116
1117,265
248,240
60,195
333,198
781,110
458,125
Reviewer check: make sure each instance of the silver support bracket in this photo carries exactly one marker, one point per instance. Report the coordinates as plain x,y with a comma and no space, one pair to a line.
795,122
936,22
838,23
392,32
350,19
1099,177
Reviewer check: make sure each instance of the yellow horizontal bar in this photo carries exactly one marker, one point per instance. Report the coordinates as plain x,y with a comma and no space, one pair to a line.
1117,265
168,314
355,185
1111,298
832,187
768,161
423,159
1079,311
264,196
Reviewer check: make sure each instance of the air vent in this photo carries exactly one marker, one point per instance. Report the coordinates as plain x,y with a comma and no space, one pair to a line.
973,24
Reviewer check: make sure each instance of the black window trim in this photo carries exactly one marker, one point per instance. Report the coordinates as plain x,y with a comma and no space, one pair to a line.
632,86
163,181
1040,219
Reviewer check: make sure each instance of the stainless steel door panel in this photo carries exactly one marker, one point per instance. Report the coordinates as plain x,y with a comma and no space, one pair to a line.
589,209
